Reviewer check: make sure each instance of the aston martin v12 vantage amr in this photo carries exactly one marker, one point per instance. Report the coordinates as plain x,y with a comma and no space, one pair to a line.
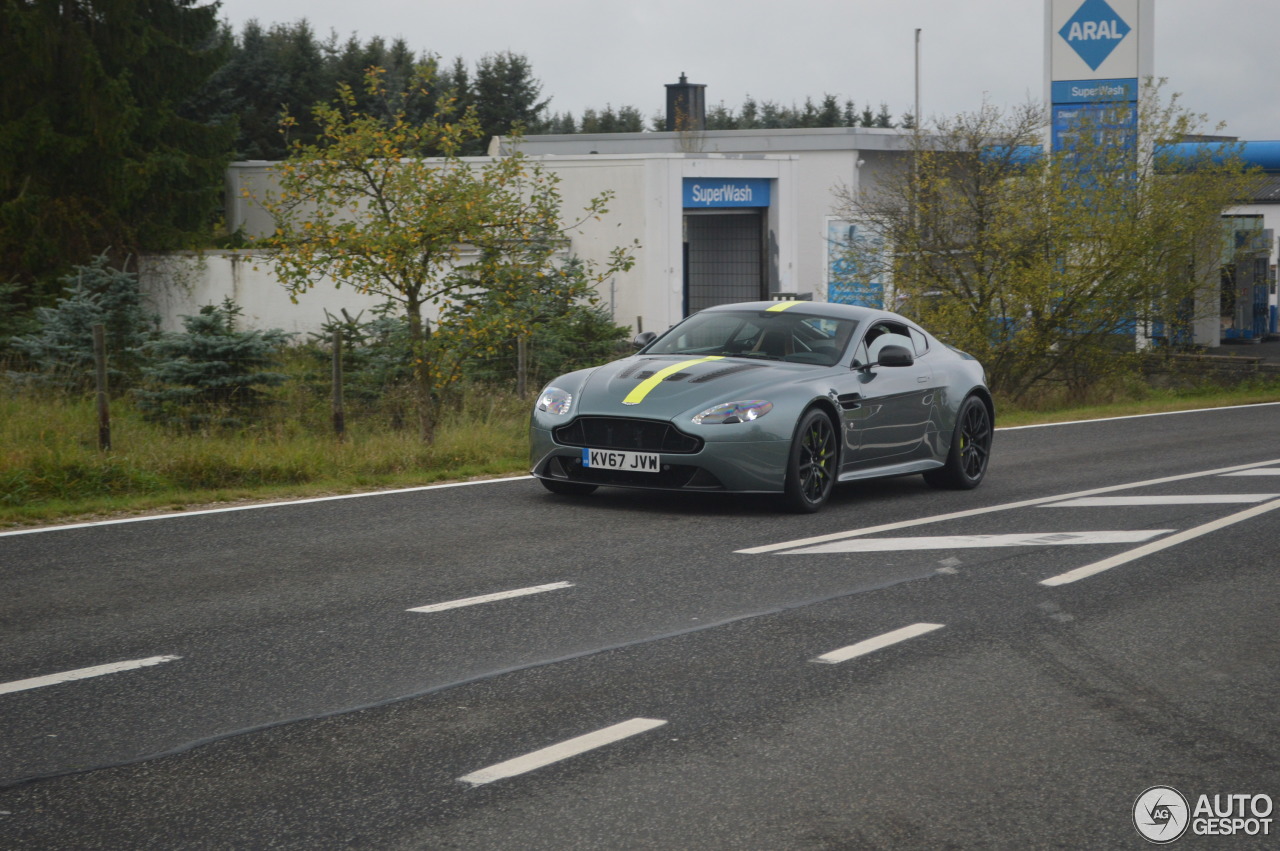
785,397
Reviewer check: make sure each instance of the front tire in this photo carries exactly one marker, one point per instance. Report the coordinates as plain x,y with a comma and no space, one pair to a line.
970,449
811,466
567,488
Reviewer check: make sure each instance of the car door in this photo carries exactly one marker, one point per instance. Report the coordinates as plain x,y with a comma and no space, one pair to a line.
888,411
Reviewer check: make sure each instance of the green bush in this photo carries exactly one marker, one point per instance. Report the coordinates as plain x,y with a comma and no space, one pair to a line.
61,351
211,375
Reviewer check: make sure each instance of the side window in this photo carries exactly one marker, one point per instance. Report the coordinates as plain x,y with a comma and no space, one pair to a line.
920,340
885,333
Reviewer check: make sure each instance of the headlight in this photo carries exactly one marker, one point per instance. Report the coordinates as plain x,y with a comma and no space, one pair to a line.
555,401
734,412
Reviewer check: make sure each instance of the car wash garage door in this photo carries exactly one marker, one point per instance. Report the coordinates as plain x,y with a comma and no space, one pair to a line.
724,241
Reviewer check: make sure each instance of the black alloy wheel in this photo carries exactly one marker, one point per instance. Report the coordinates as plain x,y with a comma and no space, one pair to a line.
811,469
970,449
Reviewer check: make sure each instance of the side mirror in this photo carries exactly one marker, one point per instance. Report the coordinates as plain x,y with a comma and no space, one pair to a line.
896,356
643,339
892,356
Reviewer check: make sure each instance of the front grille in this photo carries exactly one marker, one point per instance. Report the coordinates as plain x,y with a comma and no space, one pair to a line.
627,434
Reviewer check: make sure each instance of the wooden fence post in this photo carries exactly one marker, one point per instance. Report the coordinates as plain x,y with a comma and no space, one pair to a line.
100,379
522,365
339,415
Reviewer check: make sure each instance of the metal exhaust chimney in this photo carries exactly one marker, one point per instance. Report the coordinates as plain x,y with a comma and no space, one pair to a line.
686,105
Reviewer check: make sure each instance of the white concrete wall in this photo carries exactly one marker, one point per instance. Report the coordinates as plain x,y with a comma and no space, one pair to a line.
180,284
184,282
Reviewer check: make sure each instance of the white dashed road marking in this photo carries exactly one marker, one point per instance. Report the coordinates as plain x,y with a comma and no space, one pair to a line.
489,598
83,673
1171,541
862,648
1261,471
955,542
1188,499
992,509
562,751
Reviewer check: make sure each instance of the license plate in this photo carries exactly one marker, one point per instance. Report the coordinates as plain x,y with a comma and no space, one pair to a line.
607,459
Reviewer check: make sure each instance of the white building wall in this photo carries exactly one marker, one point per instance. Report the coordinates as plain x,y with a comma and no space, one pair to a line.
824,159
645,213
179,284
647,208
807,167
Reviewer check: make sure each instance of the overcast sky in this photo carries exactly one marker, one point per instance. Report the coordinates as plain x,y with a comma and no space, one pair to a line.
1221,55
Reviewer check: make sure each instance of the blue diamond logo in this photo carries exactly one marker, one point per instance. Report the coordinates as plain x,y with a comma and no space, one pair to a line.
1094,31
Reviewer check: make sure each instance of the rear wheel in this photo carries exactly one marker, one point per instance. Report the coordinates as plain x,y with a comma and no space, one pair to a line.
811,467
567,488
970,449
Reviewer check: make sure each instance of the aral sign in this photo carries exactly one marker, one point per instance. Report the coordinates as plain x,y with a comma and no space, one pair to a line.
1098,39
1096,54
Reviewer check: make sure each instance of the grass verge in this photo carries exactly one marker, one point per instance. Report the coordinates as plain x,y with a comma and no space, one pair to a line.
51,468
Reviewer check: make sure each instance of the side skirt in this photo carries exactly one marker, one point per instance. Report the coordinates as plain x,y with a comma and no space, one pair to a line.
904,469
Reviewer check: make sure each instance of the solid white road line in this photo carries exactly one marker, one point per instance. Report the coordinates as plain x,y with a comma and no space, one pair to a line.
1188,499
83,673
562,751
862,648
1156,546
1008,506
953,542
259,505
489,598
1261,471
1139,416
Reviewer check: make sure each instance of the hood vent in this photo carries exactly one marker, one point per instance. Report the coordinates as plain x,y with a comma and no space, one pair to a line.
637,371
649,373
629,371
721,373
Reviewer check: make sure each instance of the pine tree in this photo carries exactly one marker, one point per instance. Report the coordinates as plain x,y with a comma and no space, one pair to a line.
62,350
96,150
211,374
505,96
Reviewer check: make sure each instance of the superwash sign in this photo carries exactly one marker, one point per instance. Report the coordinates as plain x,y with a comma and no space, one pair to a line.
726,192
1094,31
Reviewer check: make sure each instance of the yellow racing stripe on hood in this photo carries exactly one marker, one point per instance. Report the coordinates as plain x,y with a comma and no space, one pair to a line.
636,396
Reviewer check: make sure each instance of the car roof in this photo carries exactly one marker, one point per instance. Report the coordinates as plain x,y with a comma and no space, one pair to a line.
813,308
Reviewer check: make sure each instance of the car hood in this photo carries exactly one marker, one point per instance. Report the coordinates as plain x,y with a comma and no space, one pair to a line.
664,386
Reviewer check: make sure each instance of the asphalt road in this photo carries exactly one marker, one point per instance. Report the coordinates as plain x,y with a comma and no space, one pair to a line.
1008,667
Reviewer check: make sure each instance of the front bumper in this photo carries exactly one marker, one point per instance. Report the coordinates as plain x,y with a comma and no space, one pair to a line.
739,466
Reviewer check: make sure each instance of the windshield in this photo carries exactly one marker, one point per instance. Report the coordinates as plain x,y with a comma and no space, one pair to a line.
785,335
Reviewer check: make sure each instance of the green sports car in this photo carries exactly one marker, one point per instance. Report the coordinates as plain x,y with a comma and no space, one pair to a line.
785,397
